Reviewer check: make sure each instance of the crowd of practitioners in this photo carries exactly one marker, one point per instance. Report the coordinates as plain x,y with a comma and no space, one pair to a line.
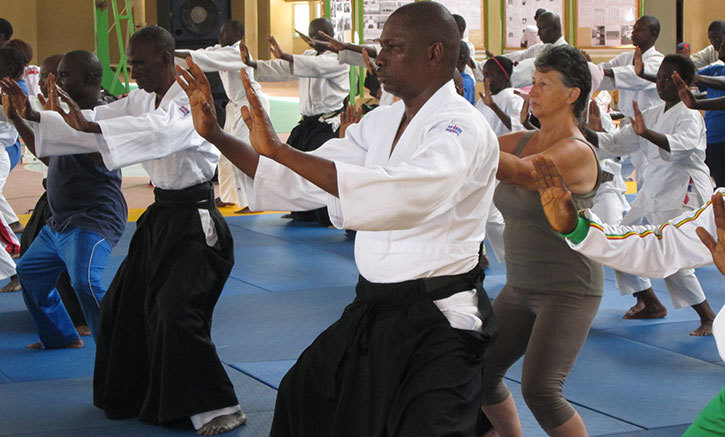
534,163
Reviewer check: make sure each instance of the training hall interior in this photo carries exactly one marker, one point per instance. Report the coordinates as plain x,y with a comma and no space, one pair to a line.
292,278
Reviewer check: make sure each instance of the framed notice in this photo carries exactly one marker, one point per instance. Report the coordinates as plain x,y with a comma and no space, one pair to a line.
519,14
340,13
375,13
605,23
472,11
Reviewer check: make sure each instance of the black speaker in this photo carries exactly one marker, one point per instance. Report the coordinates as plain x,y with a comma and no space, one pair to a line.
193,23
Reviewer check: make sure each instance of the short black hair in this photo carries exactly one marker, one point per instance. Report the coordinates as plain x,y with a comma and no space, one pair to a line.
464,51
460,22
12,63
683,65
323,24
236,26
716,25
6,28
157,37
573,70
503,62
652,22
88,63
538,12
24,48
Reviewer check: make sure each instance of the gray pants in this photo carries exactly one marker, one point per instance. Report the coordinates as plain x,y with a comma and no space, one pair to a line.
549,328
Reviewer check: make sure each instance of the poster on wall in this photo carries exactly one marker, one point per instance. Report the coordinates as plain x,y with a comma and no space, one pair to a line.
605,23
341,17
375,12
518,14
468,9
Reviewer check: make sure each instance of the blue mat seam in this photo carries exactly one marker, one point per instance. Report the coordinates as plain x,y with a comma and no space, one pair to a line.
607,331
252,376
8,377
591,409
249,283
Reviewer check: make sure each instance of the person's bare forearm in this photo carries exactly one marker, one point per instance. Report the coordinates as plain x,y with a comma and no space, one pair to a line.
372,51
319,171
28,136
716,104
504,117
240,153
714,82
656,138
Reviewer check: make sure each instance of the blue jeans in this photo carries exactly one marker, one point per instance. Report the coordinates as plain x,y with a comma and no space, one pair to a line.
83,254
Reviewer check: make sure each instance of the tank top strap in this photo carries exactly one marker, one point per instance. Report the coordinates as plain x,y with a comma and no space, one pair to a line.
522,142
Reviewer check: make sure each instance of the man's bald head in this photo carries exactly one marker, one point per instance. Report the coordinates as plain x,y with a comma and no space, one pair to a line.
549,25
432,22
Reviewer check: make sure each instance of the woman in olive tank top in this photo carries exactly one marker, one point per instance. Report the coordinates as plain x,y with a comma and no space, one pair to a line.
552,293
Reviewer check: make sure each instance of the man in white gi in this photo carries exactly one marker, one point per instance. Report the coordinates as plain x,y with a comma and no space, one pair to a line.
225,59
671,137
154,358
709,54
414,179
550,33
530,35
619,72
324,86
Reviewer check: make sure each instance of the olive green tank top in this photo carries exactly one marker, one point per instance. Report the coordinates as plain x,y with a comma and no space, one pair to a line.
537,257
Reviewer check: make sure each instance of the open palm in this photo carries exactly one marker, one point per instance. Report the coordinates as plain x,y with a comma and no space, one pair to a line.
555,198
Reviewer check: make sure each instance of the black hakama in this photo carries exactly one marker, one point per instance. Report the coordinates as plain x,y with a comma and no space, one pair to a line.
155,359
392,365
309,134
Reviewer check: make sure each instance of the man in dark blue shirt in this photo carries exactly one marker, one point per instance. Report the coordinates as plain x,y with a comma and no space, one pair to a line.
88,217
714,120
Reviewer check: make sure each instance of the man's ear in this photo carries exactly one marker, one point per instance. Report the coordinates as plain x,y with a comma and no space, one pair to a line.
167,57
435,52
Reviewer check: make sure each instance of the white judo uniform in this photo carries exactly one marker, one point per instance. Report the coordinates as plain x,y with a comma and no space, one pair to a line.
227,61
524,69
673,182
630,86
418,210
657,250
8,136
134,131
511,104
705,57
323,82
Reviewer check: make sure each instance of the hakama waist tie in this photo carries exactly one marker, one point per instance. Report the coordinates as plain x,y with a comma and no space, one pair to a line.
392,356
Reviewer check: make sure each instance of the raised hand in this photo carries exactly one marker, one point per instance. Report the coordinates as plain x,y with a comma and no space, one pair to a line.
244,52
261,133
372,68
587,56
489,54
486,96
197,88
595,117
684,91
274,47
351,115
555,198
524,114
717,248
333,45
305,38
15,102
637,122
637,61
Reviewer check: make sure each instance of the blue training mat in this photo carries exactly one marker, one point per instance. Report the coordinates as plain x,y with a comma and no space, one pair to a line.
267,372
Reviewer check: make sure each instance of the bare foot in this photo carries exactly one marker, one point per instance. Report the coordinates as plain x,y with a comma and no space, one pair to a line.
647,306
704,329
244,210
223,423
13,285
641,311
75,344
83,330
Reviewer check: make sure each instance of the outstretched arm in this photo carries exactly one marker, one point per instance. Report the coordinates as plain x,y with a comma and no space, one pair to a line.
656,138
319,171
487,98
639,67
16,106
717,104
653,250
